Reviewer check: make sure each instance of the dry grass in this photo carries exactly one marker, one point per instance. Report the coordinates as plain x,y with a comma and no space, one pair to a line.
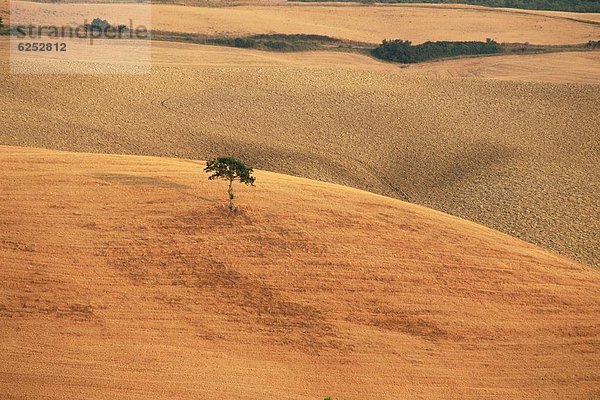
125,277
564,67
346,21
519,157
579,67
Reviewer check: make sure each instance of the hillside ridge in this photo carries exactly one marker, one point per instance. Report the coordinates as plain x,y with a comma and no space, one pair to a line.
144,285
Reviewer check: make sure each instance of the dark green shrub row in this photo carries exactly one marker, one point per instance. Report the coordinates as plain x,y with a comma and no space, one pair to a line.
403,51
275,42
593,45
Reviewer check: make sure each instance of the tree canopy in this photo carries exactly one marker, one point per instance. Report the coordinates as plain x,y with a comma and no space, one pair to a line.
230,169
405,52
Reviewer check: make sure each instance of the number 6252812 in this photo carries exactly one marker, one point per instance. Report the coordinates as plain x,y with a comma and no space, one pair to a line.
42,46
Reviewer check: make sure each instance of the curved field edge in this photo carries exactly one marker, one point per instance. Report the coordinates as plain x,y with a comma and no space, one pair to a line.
306,42
557,67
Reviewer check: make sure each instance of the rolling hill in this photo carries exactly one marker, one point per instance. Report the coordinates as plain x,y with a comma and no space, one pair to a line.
520,157
125,278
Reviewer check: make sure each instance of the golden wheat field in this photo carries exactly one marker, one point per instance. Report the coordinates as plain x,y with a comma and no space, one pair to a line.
521,157
561,67
345,21
567,67
426,231
126,278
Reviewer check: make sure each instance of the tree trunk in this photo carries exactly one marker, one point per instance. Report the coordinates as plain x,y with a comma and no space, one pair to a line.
230,192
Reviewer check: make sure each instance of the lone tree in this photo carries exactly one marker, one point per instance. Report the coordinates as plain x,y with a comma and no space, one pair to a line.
230,169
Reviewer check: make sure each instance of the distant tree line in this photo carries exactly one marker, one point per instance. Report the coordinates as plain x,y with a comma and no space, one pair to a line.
592,6
593,45
274,42
404,51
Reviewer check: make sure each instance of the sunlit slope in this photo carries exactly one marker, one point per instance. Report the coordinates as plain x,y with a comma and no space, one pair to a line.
346,21
519,157
581,67
125,278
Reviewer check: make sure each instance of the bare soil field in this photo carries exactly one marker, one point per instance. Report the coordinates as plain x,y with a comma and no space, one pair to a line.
126,278
521,157
345,21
